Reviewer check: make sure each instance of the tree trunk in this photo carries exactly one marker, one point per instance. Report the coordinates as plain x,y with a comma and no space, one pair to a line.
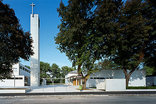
127,75
79,72
79,69
84,80
84,83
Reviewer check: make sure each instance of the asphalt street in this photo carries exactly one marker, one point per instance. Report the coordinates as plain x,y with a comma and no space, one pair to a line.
75,99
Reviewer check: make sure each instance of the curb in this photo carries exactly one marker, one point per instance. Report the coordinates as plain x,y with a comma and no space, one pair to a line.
84,93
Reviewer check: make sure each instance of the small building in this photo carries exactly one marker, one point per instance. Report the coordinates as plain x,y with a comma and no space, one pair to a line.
72,78
20,77
98,79
138,77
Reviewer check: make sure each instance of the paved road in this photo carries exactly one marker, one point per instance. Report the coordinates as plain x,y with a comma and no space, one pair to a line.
78,99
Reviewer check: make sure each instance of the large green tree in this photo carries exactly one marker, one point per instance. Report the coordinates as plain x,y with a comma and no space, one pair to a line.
127,32
14,42
131,37
44,69
125,40
119,31
124,32
65,70
83,29
75,27
55,71
149,12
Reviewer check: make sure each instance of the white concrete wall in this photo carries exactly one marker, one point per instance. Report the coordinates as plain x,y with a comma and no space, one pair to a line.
4,91
115,85
15,69
137,78
94,82
18,70
111,84
101,84
35,58
12,82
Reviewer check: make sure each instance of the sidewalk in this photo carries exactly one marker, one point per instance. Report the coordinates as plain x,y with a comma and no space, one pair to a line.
73,90
69,88
59,88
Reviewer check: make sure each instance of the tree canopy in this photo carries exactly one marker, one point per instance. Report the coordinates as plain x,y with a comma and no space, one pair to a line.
150,50
122,32
44,68
65,70
73,32
107,65
14,42
53,72
131,37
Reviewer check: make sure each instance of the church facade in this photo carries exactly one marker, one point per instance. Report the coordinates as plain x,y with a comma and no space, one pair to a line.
20,77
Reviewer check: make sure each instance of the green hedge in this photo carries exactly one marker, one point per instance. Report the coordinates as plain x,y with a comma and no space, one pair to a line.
147,87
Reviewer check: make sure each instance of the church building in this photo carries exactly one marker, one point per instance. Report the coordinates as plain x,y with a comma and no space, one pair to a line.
20,77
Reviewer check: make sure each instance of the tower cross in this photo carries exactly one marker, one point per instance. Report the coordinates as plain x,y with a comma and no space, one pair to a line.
32,8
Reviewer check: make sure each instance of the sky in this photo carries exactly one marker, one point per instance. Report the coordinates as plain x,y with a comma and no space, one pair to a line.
49,21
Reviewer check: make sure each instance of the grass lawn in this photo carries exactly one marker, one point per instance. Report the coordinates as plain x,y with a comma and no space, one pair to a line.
147,87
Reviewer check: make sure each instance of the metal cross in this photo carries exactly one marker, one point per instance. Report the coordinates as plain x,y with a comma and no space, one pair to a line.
32,8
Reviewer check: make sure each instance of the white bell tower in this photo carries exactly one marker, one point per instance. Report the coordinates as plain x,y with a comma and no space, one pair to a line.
35,58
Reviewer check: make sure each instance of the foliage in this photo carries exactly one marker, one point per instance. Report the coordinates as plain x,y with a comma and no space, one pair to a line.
108,65
53,72
140,87
14,42
122,32
132,35
65,70
149,12
75,33
149,70
44,68
27,66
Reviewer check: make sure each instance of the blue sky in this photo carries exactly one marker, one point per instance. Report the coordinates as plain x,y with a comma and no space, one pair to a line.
49,20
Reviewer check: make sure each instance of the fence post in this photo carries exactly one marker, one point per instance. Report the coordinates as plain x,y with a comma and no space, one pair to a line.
53,85
14,81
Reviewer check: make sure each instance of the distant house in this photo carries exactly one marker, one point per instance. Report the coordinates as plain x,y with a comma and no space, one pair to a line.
138,78
20,77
